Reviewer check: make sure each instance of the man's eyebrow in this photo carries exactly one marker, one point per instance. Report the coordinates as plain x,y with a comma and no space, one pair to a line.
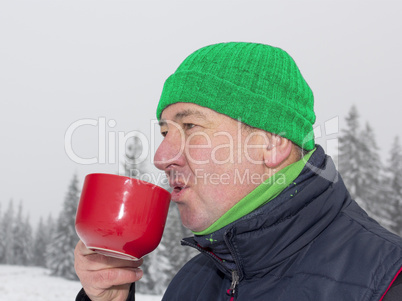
189,112
185,113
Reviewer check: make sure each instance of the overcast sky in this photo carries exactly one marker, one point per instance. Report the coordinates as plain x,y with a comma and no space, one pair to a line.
66,62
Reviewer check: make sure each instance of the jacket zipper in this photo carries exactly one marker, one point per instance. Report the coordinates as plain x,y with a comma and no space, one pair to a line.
233,287
233,291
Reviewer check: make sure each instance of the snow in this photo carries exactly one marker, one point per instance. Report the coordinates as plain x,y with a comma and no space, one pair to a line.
18,283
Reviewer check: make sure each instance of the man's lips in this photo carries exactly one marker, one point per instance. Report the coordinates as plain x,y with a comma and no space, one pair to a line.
178,188
178,181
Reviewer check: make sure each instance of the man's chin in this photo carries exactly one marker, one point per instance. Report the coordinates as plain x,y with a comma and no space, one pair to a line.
191,223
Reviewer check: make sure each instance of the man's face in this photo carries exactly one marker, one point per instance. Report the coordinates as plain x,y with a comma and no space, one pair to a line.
209,160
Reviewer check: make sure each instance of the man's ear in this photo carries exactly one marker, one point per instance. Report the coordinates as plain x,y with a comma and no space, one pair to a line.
277,151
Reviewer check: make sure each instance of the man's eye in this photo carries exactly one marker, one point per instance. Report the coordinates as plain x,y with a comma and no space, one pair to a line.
188,126
164,133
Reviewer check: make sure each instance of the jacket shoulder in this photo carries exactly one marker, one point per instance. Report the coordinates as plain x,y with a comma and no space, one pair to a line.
361,252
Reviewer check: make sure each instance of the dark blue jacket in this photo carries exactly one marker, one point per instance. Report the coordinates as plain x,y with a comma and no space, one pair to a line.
312,243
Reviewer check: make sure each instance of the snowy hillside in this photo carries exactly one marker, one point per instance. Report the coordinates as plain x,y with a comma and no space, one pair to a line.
34,284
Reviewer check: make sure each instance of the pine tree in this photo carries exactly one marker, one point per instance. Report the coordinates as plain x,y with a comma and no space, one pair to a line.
158,265
350,160
50,230
18,228
394,183
40,244
50,227
28,242
60,253
22,247
370,173
7,224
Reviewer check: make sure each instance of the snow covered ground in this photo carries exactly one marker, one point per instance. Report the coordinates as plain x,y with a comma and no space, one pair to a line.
34,284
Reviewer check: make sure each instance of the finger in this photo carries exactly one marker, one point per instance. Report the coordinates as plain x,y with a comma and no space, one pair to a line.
87,260
96,261
117,293
108,278
82,249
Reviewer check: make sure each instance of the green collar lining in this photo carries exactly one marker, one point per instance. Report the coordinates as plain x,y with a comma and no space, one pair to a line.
261,195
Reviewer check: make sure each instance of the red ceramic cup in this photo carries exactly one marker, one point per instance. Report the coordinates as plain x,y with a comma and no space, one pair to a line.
121,216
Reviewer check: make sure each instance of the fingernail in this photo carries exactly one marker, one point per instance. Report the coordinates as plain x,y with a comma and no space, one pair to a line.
139,273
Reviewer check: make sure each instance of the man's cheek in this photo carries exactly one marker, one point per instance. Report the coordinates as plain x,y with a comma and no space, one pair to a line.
198,149
199,155
222,154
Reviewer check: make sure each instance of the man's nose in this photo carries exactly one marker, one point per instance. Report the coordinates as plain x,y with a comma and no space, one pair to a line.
171,151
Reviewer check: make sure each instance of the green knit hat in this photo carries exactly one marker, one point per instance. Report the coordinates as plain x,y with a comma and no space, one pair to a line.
257,84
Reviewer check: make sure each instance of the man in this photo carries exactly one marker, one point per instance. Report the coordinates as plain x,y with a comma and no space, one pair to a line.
271,215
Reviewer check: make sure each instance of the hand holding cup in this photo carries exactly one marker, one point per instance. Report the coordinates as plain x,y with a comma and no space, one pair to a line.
105,278
119,220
